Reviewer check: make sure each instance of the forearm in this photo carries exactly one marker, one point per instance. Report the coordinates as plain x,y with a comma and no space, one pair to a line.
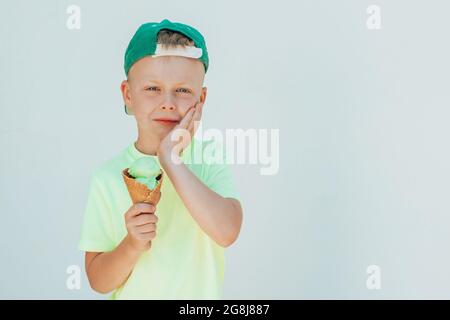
217,216
109,270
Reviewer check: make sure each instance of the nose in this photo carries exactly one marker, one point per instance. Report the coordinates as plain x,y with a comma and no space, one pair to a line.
168,105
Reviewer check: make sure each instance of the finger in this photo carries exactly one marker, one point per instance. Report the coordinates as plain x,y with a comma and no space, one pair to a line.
194,115
143,207
184,123
138,209
148,236
144,218
196,118
146,228
195,123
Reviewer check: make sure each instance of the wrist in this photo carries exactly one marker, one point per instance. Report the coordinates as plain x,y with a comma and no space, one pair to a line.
130,247
168,158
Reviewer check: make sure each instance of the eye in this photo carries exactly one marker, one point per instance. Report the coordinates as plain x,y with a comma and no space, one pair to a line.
152,89
184,90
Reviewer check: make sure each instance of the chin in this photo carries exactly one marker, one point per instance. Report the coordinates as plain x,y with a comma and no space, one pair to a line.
161,132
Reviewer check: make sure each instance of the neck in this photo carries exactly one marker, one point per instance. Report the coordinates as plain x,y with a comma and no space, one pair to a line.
147,145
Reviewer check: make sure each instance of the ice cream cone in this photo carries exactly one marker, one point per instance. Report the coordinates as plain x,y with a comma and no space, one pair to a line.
140,192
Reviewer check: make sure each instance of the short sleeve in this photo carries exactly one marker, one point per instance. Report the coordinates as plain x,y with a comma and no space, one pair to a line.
97,229
219,176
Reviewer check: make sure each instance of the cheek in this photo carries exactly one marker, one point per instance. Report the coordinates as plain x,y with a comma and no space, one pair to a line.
185,103
145,104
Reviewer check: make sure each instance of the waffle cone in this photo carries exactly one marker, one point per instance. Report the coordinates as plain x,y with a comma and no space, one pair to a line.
140,192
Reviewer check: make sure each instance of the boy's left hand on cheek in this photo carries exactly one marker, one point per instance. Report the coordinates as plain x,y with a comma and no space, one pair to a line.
171,146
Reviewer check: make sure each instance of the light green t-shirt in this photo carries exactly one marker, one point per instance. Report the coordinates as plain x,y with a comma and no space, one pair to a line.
183,262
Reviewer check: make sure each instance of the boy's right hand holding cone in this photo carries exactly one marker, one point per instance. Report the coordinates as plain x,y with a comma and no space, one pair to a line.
140,221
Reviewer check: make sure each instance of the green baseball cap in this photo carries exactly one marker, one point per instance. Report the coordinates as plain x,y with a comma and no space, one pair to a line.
144,43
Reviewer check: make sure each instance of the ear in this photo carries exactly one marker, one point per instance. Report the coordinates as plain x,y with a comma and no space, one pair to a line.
203,95
126,94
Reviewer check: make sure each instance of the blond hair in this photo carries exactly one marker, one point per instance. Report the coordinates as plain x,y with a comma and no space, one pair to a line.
170,39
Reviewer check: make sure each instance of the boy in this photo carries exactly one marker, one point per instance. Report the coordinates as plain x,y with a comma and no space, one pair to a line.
174,249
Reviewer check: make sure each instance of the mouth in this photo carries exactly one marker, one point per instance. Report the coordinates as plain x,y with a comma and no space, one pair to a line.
166,122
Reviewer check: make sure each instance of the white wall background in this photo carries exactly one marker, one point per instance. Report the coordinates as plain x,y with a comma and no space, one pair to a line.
364,153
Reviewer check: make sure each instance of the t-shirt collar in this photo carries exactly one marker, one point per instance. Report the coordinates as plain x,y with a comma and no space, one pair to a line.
136,154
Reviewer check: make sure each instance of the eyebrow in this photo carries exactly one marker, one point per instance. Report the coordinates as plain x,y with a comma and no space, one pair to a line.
176,84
